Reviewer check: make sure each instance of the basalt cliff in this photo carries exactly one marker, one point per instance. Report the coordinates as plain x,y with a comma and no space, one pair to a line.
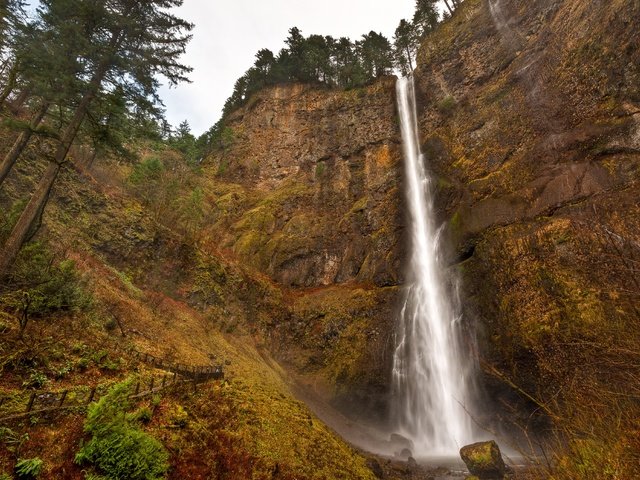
529,115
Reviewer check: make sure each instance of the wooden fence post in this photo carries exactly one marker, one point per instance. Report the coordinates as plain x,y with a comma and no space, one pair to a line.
32,399
137,388
151,384
62,399
91,395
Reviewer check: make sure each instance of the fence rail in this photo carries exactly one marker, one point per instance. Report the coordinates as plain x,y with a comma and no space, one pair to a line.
215,372
46,402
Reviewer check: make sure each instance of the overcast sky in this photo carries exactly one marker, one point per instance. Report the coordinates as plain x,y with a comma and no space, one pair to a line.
228,34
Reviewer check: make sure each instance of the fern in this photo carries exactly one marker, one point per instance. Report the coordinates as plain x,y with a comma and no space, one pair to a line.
29,468
118,448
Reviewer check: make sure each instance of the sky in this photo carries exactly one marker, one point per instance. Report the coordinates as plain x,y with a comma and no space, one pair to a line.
228,34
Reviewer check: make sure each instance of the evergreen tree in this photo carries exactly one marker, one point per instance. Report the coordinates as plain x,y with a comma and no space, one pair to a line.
125,45
426,16
376,54
405,44
185,142
11,21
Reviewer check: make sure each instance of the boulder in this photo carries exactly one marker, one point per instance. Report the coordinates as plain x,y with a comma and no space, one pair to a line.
405,454
399,443
484,460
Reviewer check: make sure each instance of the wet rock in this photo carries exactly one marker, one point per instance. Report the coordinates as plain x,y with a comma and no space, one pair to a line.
405,454
484,460
375,467
412,462
399,443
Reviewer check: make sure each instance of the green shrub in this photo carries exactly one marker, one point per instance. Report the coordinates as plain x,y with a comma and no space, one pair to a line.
5,476
446,105
29,468
43,285
150,169
9,218
144,415
36,380
118,448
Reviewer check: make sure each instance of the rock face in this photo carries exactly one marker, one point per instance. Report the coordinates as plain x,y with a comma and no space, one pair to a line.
530,119
484,460
308,193
316,175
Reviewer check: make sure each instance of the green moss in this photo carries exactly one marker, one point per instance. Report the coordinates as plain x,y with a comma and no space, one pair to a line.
447,105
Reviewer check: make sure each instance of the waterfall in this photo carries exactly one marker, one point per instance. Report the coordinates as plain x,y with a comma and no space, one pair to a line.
429,368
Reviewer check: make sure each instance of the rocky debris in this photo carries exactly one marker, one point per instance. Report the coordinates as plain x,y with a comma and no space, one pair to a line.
375,467
484,460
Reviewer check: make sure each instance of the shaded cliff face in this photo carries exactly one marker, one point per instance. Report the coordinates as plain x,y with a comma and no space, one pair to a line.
530,116
318,173
308,193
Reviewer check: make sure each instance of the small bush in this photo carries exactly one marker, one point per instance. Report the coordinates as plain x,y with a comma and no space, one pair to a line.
44,285
63,371
144,415
118,448
36,380
110,324
446,105
5,476
93,476
150,169
29,468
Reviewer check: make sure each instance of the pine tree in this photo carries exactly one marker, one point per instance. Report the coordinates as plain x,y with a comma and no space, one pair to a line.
405,45
426,16
11,20
129,43
376,54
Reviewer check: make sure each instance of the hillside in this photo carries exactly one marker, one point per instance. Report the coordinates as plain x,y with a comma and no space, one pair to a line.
283,253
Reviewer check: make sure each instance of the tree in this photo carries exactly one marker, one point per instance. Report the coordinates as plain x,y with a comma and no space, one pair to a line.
130,43
11,20
185,142
426,16
376,54
405,43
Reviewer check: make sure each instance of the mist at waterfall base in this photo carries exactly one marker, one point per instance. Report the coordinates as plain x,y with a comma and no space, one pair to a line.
431,372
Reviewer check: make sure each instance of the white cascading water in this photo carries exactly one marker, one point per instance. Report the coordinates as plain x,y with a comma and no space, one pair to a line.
429,370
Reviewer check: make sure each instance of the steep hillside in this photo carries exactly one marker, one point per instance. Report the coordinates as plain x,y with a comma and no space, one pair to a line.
126,281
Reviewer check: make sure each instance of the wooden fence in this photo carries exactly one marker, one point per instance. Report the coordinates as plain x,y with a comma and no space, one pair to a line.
40,402
215,372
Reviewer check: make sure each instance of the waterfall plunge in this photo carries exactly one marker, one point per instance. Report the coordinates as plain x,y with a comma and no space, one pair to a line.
429,370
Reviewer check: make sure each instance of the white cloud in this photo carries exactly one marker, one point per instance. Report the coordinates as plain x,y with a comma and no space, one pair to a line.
227,35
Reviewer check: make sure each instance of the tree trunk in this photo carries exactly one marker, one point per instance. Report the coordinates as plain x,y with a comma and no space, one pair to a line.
446,2
10,85
21,142
38,200
17,104
30,213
